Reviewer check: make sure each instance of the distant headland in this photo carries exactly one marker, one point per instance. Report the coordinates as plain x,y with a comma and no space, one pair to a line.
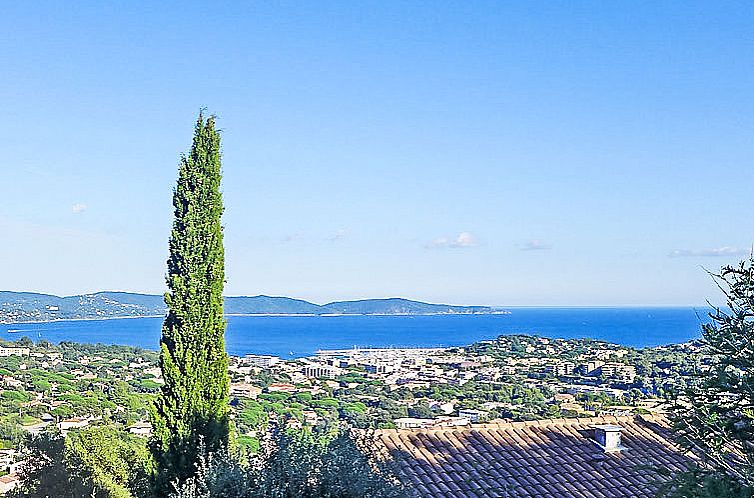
17,307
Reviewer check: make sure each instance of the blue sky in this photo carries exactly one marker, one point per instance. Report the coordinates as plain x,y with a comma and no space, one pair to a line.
506,153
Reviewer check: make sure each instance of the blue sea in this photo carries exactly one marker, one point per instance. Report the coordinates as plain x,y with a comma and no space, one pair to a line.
297,336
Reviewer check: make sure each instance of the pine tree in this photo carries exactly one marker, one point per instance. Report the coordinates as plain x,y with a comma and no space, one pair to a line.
191,416
714,417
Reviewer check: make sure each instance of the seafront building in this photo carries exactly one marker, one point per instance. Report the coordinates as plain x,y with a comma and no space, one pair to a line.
259,360
321,371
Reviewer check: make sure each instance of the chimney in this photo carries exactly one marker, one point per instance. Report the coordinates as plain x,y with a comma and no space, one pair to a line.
608,437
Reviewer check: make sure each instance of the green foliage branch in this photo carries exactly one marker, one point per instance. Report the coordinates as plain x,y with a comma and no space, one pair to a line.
714,417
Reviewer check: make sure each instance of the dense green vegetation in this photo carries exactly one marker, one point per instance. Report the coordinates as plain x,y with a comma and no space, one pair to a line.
98,462
297,464
114,386
54,385
191,417
714,415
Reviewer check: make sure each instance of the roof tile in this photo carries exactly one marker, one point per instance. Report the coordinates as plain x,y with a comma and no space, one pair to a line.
544,458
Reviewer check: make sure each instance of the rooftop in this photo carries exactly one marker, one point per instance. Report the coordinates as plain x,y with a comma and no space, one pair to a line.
544,458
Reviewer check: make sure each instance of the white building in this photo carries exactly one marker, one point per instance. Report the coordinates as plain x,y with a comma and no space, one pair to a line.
619,371
73,423
14,351
473,415
245,390
379,367
318,371
141,429
8,482
260,360
412,423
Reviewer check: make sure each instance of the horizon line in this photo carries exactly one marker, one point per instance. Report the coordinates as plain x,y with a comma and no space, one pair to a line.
497,306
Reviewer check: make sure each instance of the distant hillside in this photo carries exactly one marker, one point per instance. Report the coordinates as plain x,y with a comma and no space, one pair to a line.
397,306
27,306
257,305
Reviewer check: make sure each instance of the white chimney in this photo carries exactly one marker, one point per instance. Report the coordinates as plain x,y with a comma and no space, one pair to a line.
608,437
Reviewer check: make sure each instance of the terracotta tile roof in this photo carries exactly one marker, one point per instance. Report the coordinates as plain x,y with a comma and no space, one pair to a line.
545,458
8,478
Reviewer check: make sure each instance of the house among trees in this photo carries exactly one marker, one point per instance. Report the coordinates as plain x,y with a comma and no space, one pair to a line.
8,482
598,457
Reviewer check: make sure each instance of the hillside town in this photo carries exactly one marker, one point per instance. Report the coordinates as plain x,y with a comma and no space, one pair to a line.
69,387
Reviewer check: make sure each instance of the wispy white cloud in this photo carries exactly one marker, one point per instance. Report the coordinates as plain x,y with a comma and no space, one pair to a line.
536,245
339,235
461,241
79,207
710,253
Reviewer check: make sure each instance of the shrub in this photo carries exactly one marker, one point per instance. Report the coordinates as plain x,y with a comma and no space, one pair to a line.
294,464
100,462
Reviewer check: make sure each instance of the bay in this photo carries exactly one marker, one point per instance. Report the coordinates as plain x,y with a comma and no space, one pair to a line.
298,336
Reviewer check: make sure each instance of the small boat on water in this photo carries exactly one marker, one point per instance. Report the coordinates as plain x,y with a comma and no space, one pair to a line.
14,331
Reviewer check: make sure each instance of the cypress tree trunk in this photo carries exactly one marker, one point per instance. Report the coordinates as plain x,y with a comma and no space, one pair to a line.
191,415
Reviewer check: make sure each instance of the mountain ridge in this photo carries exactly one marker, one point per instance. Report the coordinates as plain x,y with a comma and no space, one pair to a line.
18,307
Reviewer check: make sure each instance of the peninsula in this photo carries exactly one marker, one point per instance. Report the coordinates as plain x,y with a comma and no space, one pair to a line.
18,307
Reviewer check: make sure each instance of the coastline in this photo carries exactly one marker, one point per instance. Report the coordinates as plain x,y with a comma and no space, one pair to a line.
276,334
325,315
88,319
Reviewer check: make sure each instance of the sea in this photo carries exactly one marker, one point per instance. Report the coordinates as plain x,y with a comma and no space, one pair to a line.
300,336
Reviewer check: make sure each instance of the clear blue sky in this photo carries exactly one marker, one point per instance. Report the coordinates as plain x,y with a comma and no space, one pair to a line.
508,153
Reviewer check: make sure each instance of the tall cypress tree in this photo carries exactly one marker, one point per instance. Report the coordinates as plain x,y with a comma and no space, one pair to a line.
191,415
